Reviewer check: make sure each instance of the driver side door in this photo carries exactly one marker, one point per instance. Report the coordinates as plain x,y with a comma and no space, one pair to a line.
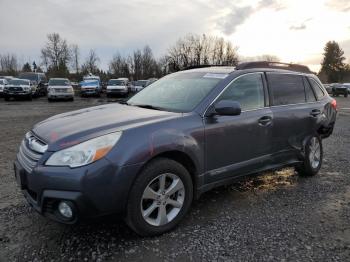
239,144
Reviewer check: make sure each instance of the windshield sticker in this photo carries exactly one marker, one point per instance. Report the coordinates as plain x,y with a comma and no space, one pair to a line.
212,75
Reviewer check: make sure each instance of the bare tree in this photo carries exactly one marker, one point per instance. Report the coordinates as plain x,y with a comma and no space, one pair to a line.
9,64
149,64
91,63
119,66
56,53
137,64
195,50
75,52
266,57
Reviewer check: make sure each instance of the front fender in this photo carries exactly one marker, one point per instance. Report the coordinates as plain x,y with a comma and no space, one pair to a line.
140,145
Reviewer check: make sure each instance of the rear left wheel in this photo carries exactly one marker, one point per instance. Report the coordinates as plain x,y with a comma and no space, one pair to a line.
313,157
159,198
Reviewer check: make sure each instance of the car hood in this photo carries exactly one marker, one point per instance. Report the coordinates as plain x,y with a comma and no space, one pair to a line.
71,128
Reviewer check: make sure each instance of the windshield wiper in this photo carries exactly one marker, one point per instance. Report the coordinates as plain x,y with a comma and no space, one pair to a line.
148,106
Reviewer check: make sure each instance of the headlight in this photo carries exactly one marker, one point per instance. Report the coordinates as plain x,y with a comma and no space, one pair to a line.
84,153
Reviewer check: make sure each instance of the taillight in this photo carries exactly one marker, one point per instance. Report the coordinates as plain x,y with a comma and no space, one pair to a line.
334,104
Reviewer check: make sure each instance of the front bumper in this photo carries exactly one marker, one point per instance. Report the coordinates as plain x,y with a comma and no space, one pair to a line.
117,91
60,95
95,190
16,94
89,91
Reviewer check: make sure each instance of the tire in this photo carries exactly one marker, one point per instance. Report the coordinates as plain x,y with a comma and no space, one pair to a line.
171,172
311,165
29,97
346,95
7,99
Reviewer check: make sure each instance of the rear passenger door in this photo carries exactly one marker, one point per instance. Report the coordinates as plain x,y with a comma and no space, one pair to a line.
293,102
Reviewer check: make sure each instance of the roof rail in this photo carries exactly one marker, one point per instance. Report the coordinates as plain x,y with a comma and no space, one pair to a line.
276,65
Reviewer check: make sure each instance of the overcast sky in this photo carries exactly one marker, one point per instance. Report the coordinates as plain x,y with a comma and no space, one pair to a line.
294,30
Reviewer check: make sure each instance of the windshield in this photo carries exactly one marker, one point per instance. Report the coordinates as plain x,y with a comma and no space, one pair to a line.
19,82
116,83
180,92
142,83
59,82
31,77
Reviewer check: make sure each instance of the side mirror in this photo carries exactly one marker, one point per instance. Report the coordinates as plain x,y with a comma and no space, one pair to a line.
227,108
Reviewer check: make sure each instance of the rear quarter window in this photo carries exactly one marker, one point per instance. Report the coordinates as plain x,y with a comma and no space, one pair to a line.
317,88
286,89
309,93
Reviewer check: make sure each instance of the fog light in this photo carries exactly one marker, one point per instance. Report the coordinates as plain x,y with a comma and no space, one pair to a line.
65,209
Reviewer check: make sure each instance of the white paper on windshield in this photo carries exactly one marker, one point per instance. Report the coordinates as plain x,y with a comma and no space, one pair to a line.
213,75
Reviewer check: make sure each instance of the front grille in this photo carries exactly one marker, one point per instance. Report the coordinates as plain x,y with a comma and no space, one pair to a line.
30,151
61,90
15,89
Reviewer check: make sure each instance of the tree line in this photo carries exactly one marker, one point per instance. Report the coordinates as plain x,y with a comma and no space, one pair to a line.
62,59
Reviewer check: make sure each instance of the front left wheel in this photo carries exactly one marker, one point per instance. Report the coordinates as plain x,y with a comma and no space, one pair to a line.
160,197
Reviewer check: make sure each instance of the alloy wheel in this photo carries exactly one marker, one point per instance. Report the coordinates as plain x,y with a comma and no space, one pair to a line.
315,153
162,199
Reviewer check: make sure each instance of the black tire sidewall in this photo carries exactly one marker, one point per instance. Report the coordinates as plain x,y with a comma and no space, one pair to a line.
158,166
307,169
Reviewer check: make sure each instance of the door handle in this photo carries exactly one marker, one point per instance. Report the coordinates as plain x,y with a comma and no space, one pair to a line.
315,112
265,120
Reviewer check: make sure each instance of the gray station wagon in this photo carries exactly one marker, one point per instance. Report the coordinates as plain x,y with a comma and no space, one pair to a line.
183,135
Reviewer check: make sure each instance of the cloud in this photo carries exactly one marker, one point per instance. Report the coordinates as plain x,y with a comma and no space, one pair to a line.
239,14
235,18
339,5
301,26
272,4
298,27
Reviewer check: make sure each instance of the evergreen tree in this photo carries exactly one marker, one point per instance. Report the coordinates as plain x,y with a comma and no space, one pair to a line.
26,68
333,62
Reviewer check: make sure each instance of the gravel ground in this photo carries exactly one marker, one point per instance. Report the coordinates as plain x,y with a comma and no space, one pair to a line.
275,217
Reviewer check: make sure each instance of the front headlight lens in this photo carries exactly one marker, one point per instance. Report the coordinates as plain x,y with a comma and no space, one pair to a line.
84,153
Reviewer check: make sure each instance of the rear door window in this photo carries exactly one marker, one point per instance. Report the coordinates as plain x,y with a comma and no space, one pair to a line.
317,88
248,90
286,89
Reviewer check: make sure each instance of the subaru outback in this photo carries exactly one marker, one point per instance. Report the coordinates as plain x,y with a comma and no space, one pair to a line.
181,136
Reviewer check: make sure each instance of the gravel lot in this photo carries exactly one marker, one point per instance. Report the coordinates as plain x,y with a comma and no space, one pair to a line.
276,217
